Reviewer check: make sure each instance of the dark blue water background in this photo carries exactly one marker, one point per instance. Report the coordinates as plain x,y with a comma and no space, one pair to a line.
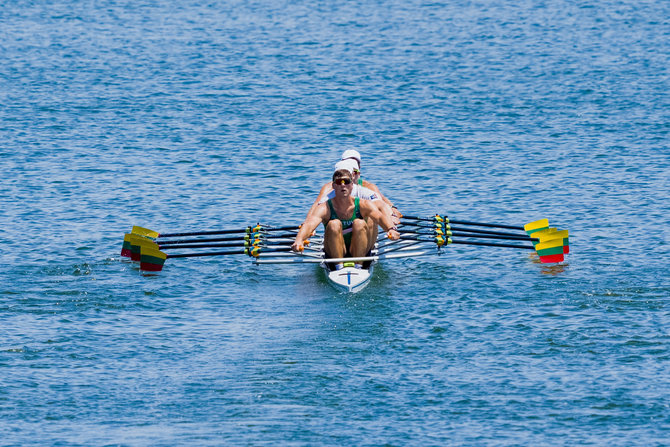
202,115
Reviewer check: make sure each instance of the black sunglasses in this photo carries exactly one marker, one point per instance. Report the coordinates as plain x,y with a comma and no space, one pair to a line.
342,181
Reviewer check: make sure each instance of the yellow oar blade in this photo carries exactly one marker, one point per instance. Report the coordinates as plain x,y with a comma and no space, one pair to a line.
152,260
553,233
136,243
144,232
538,225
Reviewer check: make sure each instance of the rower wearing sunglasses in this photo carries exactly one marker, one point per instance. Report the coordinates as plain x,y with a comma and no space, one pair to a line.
363,189
346,220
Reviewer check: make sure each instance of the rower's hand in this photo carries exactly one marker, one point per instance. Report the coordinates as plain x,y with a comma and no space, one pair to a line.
395,216
298,246
393,234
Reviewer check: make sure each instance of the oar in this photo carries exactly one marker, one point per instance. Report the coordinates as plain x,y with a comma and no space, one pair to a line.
549,251
529,227
240,238
259,227
131,241
152,260
439,230
466,229
136,243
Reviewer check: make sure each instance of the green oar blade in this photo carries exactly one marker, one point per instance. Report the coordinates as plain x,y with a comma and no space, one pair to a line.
550,251
152,260
125,249
136,243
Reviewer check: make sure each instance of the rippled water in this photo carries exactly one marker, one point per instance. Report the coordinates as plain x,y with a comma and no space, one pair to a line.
201,115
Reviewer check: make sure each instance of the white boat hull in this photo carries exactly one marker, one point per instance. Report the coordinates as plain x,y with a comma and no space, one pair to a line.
349,279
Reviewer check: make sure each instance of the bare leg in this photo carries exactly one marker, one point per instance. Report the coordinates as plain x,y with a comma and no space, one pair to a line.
373,232
333,242
359,239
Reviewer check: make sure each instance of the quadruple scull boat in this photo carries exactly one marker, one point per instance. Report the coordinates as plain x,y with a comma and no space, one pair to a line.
271,245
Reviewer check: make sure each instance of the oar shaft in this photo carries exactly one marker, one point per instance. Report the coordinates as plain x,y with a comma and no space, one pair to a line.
468,233
203,233
498,233
465,222
489,236
489,225
240,238
231,231
227,244
491,244
211,253
224,253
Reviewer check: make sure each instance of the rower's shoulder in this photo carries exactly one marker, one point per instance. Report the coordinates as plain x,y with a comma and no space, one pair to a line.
326,187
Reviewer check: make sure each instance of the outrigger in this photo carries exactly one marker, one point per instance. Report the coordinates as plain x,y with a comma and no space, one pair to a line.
419,236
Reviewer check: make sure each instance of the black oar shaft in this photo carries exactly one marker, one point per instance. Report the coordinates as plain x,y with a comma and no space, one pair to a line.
224,253
210,253
498,233
466,222
227,244
232,231
221,245
491,244
490,236
489,225
203,233
468,233
240,239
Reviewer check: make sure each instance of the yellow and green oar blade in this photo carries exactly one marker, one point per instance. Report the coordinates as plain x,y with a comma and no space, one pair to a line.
152,260
538,225
136,243
550,251
552,233
131,243
140,231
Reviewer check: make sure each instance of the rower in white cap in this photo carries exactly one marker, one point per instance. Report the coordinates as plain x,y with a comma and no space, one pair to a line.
351,154
346,220
351,160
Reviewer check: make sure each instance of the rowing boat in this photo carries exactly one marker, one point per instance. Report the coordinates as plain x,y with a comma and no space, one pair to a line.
272,245
349,279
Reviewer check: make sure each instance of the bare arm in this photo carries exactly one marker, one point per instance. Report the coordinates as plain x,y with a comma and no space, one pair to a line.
387,202
371,210
312,221
325,189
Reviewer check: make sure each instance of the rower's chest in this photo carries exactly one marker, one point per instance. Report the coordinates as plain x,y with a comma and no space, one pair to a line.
344,212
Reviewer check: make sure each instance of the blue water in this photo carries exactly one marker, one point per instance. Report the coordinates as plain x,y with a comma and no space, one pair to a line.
193,115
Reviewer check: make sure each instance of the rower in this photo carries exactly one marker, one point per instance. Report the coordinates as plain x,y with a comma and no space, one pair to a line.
362,189
346,220
351,154
357,192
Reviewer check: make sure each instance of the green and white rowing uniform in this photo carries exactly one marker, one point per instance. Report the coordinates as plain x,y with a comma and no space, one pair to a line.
347,224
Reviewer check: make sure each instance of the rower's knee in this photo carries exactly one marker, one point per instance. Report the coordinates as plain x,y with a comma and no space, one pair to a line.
334,226
359,225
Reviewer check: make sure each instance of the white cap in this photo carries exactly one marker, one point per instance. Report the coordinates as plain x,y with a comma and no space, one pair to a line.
348,165
350,153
